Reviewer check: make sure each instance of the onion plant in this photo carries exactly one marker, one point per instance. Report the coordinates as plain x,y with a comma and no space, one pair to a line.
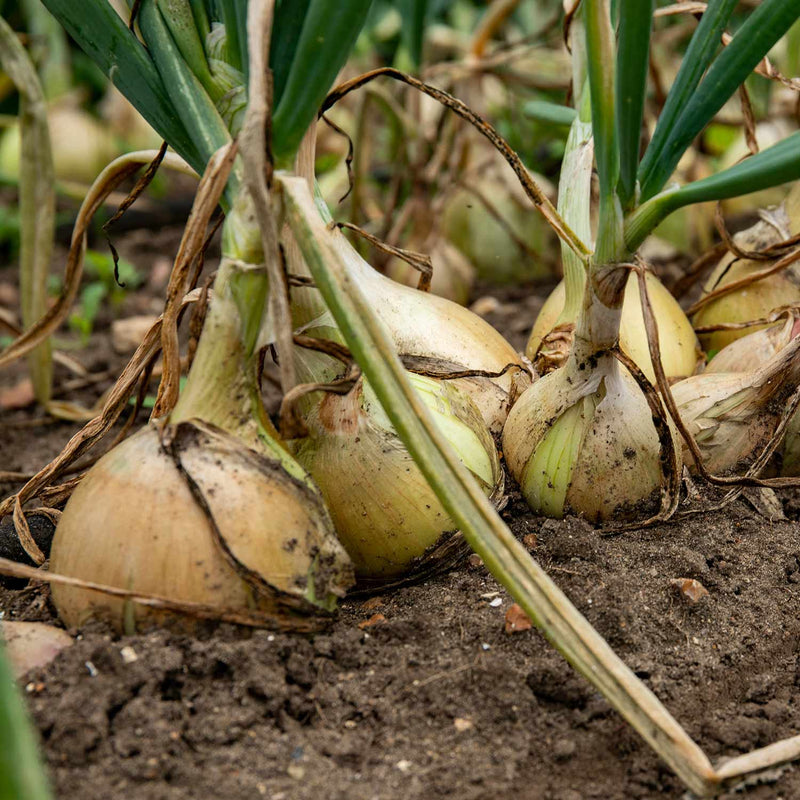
588,437
36,200
194,102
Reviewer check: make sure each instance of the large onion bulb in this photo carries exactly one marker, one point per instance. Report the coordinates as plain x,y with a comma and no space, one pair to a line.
679,348
582,440
385,514
190,514
758,299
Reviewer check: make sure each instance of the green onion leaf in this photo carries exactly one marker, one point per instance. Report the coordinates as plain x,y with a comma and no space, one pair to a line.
412,34
286,29
635,20
695,109
771,167
106,39
324,44
195,107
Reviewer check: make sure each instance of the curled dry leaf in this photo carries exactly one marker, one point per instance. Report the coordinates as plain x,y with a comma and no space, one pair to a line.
517,620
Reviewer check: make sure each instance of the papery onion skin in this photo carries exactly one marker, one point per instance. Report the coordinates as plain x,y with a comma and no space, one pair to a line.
423,326
758,299
583,441
239,533
752,350
680,351
731,415
384,512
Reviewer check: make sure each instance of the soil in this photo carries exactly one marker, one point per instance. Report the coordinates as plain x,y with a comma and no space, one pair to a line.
421,692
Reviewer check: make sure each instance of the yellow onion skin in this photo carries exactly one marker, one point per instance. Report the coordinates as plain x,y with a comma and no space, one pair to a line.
453,275
82,146
754,349
194,517
756,300
680,351
732,415
434,333
581,440
385,514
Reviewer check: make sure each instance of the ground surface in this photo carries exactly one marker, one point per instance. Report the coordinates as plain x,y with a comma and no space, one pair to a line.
420,693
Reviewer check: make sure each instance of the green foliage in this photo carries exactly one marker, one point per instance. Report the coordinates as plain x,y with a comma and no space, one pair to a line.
22,774
102,287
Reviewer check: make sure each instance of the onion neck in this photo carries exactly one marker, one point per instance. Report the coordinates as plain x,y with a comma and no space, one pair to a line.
222,386
574,205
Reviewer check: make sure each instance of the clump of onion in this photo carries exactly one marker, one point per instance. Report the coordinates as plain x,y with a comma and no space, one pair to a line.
756,300
732,415
582,439
82,146
680,352
387,517
206,506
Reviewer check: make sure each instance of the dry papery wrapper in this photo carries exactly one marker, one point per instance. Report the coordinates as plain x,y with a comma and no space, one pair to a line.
757,299
187,512
732,415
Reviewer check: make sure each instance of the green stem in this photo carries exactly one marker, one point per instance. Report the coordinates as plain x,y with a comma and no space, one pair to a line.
601,53
462,497
36,201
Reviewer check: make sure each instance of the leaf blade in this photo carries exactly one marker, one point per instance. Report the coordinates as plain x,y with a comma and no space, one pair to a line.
104,37
636,17
762,29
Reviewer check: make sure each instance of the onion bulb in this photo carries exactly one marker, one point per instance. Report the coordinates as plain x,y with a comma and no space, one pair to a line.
731,415
581,440
758,299
511,248
385,514
189,514
209,506
437,335
679,348
82,146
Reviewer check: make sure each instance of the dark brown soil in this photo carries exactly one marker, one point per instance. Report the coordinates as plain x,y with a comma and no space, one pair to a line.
420,693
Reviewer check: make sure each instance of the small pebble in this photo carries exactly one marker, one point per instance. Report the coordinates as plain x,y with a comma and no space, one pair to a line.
403,765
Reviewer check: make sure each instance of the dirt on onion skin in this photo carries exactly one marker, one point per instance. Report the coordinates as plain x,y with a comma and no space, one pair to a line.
419,693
